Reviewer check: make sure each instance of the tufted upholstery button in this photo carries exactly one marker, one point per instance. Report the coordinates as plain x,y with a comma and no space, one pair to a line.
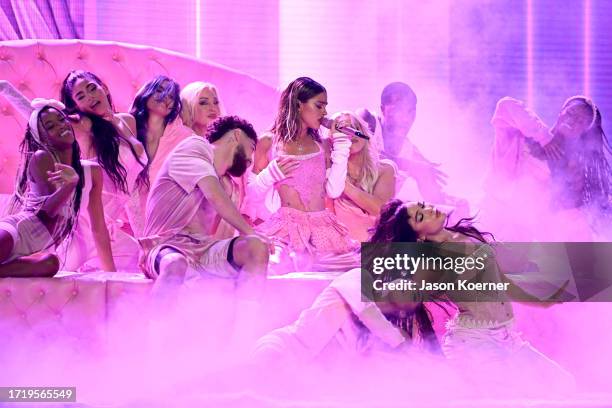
22,315
58,315
75,292
5,109
40,55
4,57
115,57
80,55
8,293
42,293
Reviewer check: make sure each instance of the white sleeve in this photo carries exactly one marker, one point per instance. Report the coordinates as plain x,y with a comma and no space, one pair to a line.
258,189
513,113
336,174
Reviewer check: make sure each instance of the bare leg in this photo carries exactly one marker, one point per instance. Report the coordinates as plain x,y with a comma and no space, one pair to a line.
251,254
172,269
34,266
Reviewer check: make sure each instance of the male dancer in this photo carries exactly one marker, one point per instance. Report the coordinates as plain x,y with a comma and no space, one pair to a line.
187,202
398,112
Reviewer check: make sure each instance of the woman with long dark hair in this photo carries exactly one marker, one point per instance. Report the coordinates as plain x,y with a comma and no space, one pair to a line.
481,336
317,170
156,108
52,185
535,169
110,138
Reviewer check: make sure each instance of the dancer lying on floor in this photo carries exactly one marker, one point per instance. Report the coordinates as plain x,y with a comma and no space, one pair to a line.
52,185
313,170
481,335
370,182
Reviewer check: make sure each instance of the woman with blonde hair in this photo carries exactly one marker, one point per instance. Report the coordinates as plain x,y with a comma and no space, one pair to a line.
370,182
202,106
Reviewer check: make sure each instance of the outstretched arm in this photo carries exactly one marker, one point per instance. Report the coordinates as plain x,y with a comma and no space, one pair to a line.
513,113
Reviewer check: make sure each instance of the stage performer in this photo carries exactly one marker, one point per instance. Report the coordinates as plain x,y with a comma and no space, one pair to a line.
564,168
156,108
370,182
110,138
52,185
201,106
390,130
187,202
340,322
318,169
480,338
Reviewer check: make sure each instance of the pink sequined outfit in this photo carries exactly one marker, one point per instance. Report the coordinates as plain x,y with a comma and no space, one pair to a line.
313,231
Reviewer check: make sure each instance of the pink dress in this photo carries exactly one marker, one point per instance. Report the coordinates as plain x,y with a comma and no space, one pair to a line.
315,236
29,234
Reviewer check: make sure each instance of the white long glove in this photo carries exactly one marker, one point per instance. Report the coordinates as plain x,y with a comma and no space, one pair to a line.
262,182
336,174
258,188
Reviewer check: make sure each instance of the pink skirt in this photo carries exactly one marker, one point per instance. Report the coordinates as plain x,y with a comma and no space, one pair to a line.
317,238
313,232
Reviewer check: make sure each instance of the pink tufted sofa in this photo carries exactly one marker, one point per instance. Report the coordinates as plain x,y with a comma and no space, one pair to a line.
74,304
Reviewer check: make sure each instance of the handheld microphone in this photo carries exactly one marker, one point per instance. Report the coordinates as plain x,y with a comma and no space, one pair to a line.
344,129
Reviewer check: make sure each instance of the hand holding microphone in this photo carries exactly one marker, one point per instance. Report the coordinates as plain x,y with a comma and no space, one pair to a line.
347,130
